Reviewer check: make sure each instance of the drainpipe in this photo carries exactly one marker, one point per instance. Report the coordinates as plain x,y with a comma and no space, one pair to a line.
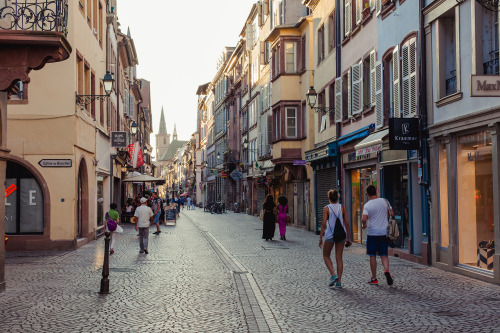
424,132
338,69
247,121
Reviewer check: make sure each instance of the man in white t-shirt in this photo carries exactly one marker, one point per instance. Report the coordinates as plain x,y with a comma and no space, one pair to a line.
188,203
144,216
376,211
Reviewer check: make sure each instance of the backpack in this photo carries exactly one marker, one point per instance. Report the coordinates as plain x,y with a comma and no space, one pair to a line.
392,227
110,223
338,231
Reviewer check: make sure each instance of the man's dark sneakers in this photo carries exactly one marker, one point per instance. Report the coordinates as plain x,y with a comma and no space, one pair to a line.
146,251
373,281
389,278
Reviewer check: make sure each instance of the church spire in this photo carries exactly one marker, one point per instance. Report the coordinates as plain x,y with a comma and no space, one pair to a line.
174,137
163,126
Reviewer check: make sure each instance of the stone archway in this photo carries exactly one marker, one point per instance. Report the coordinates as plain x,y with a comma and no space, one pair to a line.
82,200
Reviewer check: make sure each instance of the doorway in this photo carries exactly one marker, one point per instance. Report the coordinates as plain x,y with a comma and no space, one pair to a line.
360,180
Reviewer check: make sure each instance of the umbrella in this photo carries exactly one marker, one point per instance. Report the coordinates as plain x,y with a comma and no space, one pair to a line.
185,194
144,179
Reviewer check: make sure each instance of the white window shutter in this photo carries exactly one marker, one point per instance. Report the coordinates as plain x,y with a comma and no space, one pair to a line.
347,18
372,5
356,96
349,103
413,77
379,97
338,100
395,82
131,109
359,8
373,59
361,95
248,36
378,7
405,77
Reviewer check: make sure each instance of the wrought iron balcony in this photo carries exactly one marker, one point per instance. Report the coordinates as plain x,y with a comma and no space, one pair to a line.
48,15
491,67
451,85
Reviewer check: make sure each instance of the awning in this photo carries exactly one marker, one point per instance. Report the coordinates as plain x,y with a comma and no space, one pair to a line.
267,166
358,134
372,143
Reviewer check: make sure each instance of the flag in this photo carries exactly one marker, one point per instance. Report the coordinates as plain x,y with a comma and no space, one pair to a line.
134,150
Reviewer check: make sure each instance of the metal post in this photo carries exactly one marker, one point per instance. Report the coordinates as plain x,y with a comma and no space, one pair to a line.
105,267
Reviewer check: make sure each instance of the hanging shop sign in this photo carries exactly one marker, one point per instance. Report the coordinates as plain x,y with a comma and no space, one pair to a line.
118,139
485,85
236,174
299,162
403,133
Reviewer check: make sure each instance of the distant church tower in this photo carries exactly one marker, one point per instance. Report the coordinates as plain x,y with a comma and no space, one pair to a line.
162,138
174,138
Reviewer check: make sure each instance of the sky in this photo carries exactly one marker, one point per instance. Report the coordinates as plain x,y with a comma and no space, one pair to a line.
178,45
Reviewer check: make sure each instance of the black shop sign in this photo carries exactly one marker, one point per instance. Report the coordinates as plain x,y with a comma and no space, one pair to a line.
403,134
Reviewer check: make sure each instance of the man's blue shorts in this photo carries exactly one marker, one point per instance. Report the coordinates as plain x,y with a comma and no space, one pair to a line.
157,217
376,245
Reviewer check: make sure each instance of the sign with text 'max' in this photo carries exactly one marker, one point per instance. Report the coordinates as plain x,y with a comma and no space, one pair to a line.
52,163
485,85
118,139
403,133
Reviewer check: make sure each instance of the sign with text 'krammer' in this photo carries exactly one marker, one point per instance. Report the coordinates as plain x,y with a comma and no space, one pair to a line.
485,85
119,139
403,133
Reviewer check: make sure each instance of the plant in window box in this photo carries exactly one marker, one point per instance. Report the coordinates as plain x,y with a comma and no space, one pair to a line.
366,11
262,182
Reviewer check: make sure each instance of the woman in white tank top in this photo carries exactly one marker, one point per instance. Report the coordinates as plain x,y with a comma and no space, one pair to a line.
336,234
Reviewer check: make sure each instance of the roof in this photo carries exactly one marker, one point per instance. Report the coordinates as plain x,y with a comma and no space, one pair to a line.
172,149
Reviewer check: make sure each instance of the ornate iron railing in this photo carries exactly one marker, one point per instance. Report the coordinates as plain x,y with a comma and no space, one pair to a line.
451,85
491,67
34,15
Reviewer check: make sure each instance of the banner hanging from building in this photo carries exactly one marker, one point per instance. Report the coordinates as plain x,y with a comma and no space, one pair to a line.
134,150
403,133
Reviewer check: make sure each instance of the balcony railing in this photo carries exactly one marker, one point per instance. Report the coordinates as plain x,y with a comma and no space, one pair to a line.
451,85
35,16
491,67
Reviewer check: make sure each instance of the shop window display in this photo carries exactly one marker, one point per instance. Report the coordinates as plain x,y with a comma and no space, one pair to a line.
443,196
360,179
475,200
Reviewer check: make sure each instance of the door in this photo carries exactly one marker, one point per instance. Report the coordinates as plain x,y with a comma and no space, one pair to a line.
79,213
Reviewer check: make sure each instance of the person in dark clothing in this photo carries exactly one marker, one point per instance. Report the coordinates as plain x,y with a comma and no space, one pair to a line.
269,218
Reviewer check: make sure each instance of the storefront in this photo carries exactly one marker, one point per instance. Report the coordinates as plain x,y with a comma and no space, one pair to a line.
467,210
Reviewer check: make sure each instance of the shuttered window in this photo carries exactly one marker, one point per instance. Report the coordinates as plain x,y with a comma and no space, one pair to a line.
409,78
395,83
347,18
338,100
379,97
373,59
357,88
359,8
378,6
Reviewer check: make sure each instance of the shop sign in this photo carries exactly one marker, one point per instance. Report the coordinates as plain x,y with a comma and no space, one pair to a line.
236,174
369,150
403,133
352,157
118,139
485,86
55,163
299,162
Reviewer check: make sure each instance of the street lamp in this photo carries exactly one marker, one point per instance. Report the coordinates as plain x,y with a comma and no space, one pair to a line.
133,128
312,97
107,82
218,156
245,144
206,164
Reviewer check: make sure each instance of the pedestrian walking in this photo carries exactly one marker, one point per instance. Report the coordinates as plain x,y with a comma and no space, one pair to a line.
182,202
282,211
156,208
112,214
269,219
376,211
144,216
335,229
188,203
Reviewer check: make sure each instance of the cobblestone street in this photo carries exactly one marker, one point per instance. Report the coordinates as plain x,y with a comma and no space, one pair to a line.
214,273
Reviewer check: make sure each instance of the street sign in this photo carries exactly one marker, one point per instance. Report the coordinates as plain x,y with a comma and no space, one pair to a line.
55,163
118,139
403,133
299,162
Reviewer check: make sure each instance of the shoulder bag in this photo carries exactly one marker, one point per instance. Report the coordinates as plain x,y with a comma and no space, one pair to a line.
392,227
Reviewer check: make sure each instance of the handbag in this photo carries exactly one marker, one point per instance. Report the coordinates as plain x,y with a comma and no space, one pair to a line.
288,220
110,223
392,226
261,215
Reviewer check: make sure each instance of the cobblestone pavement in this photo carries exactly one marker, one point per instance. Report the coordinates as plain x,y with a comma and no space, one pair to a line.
214,273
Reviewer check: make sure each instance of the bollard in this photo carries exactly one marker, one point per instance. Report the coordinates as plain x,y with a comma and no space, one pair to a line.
105,267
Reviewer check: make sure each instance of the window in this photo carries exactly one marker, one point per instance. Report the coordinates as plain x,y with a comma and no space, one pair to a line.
338,100
490,42
447,51
80,79
101,105
101,26
331,31
24,207
86,67
321,104
92,92
303,52
290,57
409,78
276,61
291,122
347,18
277,124
95,20
89,11
331,103
269,134
321,44
357,88
100,201
346,95
20,92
